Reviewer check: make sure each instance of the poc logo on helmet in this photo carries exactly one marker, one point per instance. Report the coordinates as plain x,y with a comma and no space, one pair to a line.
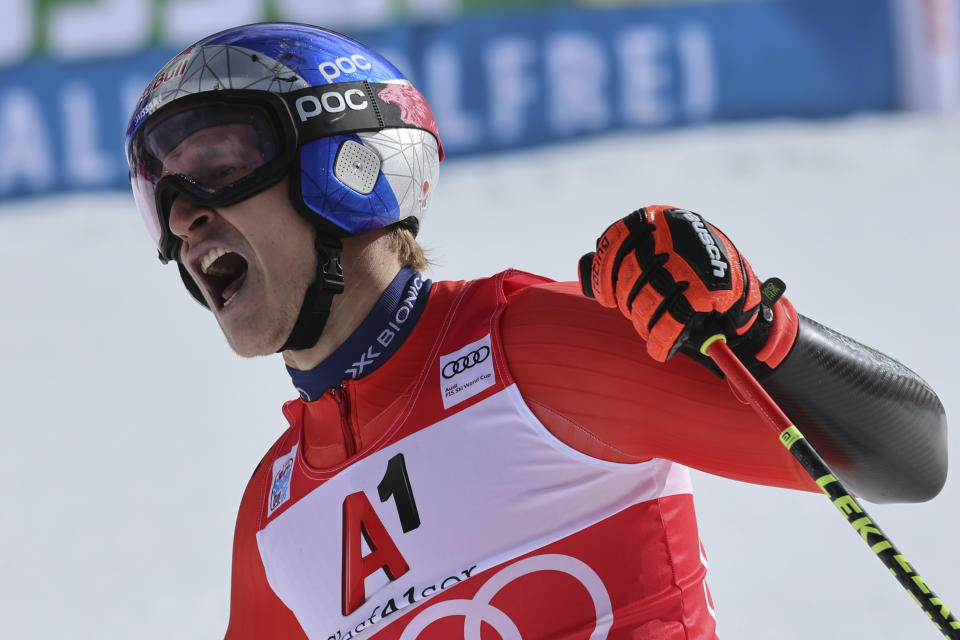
345,64
331,102
717,259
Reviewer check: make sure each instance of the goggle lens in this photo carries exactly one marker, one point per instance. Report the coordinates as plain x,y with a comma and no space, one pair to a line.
214,153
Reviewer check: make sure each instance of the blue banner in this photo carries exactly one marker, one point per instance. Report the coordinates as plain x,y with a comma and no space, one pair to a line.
510,80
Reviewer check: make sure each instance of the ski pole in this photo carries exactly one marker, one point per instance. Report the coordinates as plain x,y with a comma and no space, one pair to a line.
743,382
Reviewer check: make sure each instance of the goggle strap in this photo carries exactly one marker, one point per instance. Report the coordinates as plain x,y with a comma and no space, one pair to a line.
348,107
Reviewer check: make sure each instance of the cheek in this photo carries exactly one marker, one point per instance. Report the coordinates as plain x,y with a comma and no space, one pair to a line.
281,240
295,263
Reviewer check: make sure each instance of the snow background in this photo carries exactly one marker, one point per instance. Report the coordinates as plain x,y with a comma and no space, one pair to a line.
129,429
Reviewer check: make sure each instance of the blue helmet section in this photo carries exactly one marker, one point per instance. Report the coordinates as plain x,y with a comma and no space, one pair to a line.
319,56
338,203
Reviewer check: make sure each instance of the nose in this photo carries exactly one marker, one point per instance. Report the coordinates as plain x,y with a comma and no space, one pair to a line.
187,217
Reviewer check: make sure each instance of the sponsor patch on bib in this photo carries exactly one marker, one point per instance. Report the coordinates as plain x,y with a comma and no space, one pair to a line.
466,372
280,486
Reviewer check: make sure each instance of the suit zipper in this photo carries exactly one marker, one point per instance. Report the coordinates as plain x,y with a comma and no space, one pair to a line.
343,403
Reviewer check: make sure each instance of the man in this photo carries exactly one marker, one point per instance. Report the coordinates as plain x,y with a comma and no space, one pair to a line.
500,458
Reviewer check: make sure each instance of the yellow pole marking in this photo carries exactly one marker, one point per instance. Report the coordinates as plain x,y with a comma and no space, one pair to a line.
847,505
883,545
709,341
823,481
902,561
790,436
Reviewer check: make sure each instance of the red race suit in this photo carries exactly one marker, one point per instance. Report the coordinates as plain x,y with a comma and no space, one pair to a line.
516,470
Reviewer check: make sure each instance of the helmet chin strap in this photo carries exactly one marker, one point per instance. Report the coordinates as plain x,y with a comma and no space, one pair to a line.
319,296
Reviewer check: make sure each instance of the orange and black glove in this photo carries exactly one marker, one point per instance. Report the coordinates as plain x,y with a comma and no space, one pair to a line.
680,281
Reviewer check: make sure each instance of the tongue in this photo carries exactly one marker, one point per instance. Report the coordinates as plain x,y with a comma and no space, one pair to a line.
233,287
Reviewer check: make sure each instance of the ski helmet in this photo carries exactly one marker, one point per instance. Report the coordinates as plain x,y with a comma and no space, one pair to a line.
357,140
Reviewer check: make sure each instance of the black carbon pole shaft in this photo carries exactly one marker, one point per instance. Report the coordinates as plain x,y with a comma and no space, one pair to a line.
744,382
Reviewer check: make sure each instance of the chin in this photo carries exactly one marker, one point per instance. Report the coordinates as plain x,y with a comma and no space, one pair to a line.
250,332
245,352
247,343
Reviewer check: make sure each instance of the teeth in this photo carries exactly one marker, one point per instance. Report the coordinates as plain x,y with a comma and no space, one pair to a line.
210,258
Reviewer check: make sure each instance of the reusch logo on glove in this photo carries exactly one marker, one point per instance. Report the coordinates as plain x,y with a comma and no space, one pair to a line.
602,245
696,243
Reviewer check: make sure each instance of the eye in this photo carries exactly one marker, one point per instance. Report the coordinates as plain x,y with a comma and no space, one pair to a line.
225,174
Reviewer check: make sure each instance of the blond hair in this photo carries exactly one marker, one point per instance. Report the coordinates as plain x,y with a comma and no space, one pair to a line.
409,251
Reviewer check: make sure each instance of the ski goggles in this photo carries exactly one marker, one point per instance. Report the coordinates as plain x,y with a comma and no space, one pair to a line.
220,148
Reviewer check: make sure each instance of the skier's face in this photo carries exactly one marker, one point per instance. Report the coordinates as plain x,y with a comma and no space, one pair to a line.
253,261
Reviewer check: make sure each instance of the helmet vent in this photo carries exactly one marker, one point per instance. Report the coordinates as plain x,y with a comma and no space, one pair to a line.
357,166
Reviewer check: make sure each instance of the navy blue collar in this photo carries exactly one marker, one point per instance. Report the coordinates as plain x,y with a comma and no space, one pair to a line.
375,340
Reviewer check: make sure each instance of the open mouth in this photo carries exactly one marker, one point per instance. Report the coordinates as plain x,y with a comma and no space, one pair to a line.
224,272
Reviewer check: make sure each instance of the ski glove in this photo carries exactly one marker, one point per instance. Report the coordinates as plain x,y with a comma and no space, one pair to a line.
680,281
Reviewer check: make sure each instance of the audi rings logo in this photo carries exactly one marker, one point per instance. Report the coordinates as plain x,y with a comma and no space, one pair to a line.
467,371
478,609
464,362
